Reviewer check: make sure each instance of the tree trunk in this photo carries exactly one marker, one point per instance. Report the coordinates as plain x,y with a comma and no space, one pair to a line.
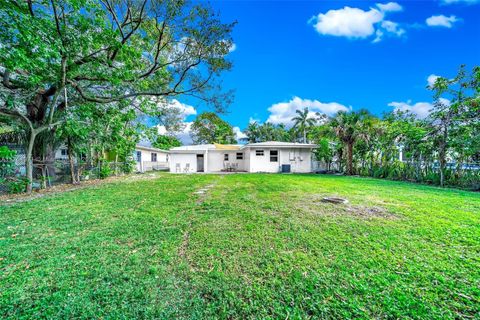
442,156
29,161
340,159
304,136
350,158
116,164
70,160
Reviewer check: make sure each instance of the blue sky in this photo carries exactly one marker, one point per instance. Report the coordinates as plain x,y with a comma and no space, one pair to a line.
331,55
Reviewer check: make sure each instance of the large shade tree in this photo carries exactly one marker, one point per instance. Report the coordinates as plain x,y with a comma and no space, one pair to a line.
209,128
56,55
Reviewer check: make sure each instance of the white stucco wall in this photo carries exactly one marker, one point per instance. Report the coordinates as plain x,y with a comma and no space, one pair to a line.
147,155
183,159
216,160
146,163
298,159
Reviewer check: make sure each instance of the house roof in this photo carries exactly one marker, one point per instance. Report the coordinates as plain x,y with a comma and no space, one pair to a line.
205,147
139,147
201,148
280,144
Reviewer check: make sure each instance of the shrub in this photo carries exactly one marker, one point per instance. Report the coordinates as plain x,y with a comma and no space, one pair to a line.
17,185
7,161
105,171
128,166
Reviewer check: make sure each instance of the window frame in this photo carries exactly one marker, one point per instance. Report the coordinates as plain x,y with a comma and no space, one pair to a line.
239,156
274,156
139,156
259,152
153,156
226,157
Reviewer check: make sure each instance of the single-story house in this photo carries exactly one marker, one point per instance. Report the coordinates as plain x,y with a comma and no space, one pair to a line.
270,156
148,158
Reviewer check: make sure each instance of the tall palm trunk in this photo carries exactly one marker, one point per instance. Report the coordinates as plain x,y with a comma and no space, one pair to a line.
350,158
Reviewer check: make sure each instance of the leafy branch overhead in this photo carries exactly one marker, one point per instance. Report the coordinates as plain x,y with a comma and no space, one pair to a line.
113,50
57,55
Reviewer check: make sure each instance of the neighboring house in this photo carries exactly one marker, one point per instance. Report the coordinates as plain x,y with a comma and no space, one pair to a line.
271,156
148,158
61,153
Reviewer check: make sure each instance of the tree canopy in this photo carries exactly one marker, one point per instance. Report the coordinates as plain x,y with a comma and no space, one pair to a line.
208,128
56,56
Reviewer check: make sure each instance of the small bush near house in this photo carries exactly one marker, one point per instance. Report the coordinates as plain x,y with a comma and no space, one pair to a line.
105,171
128,166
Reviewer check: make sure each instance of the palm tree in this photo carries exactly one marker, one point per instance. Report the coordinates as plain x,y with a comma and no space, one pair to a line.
253,132
302,122
348,129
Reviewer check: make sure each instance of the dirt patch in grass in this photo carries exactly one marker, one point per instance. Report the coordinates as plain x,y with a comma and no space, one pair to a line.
39,193
316,205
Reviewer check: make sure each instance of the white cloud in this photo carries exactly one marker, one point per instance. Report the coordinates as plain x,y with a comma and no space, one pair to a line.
431,80
389,7
420,109
460,1
356,23
239,135
184,109
233,47
441,21
283,112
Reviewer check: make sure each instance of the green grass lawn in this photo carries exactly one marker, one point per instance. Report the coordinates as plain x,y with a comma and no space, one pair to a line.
253,246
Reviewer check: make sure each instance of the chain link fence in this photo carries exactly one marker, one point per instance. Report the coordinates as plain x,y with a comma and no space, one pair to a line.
48,174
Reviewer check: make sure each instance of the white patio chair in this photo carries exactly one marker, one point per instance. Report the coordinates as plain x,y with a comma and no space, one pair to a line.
187,168
178,168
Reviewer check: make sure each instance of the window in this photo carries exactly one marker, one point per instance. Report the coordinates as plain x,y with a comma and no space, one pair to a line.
273,155
259,152
139,156
225,157
64,152
154,157
239,156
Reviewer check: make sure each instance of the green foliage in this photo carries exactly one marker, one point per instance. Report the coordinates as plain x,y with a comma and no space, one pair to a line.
267,131
128,166
88,64
210,128
105,171
16,184
302,122
166,142
7,161
324,151
253,247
